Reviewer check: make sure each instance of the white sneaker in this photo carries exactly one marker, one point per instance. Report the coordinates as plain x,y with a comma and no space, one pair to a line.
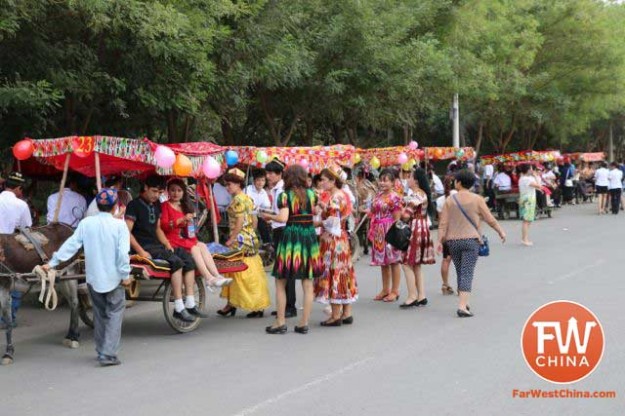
220,281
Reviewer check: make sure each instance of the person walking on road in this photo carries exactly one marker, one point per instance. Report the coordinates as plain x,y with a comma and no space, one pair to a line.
106,242
459,228
615,187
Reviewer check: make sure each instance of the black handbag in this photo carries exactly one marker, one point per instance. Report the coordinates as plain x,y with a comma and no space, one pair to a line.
398,235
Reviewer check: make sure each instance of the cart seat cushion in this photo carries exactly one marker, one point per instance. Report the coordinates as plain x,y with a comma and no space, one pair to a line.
156,264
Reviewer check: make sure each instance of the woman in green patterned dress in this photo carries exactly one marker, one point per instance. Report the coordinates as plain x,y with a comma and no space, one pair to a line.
297,256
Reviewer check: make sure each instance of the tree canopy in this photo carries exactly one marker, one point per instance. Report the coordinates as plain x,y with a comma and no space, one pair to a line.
529,73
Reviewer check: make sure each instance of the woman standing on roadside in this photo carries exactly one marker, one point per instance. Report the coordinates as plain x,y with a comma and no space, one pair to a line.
385,210
528,185
337,285
421,248
297,255
459,228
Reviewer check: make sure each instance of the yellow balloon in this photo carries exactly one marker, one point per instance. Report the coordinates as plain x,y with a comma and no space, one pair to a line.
356,158
374,162
407,166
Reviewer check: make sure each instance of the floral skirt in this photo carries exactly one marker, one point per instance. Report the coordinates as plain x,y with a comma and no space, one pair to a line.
337,284
527,207
421,248
382,253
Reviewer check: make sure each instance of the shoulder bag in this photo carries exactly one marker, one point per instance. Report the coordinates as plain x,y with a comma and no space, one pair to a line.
484,247
398,235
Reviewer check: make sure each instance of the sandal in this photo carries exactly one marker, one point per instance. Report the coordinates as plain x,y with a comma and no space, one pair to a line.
391,297
381,295
447,290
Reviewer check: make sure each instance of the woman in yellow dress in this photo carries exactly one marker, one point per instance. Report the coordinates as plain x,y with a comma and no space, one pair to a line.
249,290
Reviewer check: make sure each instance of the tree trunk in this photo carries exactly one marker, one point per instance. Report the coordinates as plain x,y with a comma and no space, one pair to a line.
85,124
172,126
226,131
271,124
478,141
310,130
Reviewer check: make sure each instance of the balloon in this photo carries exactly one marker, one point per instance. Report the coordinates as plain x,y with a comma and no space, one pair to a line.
407,166
183,166
231,158
402,158
374,162
82,146
460,153
412,163
261,156
165,157
303,163
23,149
413,145
211,168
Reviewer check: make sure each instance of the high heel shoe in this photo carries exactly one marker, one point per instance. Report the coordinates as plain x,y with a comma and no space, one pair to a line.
276,329
463,314
391,297
231,311
447,290
255,314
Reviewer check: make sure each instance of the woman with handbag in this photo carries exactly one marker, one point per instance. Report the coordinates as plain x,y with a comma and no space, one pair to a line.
385,210
337,284
421,248
459,228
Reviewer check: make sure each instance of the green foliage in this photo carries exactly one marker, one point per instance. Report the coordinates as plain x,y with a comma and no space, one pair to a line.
530,73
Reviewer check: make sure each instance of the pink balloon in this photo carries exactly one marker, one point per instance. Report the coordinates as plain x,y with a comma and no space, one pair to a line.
211,168
413,145
303,163
402,158
165,157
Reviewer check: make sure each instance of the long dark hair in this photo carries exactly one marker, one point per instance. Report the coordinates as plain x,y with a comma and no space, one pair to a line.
185,202
295,178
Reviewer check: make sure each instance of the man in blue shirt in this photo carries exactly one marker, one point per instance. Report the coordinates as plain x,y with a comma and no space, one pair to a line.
106,242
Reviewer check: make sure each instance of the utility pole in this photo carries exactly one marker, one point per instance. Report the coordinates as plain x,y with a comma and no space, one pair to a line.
455,115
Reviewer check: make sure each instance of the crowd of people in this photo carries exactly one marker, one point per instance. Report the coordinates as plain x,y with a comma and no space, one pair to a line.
306,219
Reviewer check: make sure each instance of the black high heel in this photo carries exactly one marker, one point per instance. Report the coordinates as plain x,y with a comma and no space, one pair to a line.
228,312
276,329
464,314
255,314
301,329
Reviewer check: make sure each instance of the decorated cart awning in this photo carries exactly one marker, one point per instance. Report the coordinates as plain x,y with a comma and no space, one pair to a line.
316,158
116,155
397,155
522,156
586,157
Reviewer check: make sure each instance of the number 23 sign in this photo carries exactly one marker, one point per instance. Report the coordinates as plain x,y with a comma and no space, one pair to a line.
83,145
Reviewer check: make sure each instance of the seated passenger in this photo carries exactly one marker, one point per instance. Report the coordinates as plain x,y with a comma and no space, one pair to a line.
73,205
148,240
177,222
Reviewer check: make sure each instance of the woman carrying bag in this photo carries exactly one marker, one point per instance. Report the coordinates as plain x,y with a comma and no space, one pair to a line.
459,228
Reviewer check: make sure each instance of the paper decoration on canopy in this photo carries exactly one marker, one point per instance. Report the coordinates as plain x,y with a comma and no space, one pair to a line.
317,157
117,155
523,156
586,157
389,156
446,153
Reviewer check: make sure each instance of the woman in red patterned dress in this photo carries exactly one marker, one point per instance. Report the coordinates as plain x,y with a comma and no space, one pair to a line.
421,248
177,222
337,285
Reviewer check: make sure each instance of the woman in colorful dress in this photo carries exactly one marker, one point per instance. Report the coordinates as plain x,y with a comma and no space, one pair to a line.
421,248
297,256
337,285
177,222
249,289
528,184
385,210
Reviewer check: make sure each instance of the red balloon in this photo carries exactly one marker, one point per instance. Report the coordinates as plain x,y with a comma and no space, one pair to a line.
23,149
83,146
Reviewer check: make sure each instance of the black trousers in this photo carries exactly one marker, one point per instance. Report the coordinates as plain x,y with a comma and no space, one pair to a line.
615,199
290,283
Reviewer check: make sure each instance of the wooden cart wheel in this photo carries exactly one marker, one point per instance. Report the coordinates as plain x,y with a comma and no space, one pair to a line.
85,310
132,292
168,307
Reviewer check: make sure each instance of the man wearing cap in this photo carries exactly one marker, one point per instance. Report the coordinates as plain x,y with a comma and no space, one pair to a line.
106,243
276,187
114,182
14,214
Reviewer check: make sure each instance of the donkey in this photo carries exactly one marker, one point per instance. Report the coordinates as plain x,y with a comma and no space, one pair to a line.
17,259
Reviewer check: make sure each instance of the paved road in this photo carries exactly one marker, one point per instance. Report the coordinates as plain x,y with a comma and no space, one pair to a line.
390,361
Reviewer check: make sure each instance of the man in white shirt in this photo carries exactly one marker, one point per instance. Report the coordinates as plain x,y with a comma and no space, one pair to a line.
439,189
259,195
14,214
73,205
276,187
502,182
615,186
